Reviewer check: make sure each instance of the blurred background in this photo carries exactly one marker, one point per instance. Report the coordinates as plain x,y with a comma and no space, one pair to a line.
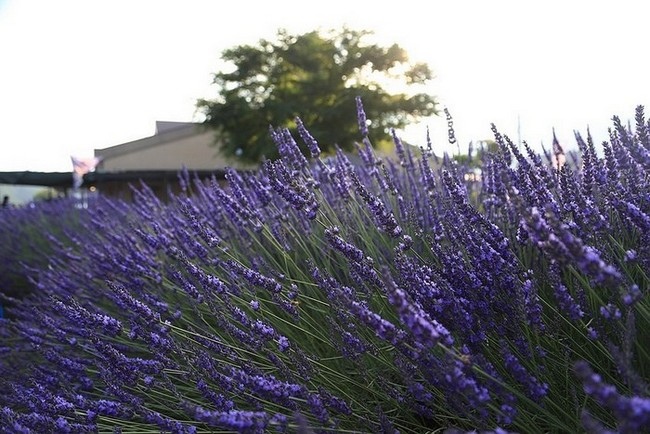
76,76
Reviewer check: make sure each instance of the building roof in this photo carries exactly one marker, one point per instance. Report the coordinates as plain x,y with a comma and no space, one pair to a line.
165,132
165,126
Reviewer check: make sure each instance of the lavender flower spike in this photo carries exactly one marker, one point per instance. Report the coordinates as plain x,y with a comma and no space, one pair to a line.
426,331
384,217
632,413
361,117
311,143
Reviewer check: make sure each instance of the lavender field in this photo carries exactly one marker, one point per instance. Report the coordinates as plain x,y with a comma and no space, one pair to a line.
342,294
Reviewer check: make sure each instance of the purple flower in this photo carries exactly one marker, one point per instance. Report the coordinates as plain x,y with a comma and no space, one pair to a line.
279,422
557,241
610,312
311,143
406,243
108,408
269,387
129,302
288,148
283,343
632,413
98,323
67,364
567,304
382,328
536,390
399,149
317,408
254,277
263,329
166,424
425,330
349,250
290,188
533,305
632,295
384,218
634,214
589,261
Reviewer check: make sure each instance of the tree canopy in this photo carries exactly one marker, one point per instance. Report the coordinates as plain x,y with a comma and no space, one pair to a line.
314,76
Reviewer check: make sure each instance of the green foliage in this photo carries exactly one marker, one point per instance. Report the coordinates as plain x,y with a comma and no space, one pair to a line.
316,77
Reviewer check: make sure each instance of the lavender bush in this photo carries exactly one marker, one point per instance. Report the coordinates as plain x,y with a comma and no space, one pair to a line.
329,295
29,237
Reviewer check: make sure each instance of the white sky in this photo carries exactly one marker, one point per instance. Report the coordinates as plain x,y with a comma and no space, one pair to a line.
81,75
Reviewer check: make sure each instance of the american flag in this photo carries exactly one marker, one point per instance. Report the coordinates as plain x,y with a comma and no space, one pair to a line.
81,166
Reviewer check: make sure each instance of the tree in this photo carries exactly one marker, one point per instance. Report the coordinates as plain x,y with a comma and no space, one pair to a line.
315,77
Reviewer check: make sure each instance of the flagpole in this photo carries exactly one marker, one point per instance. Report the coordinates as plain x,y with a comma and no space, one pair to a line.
519,131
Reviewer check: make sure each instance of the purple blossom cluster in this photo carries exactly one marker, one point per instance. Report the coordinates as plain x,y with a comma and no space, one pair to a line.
501,291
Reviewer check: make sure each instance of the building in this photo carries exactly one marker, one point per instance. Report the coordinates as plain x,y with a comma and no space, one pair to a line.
174,145
156,160
159,158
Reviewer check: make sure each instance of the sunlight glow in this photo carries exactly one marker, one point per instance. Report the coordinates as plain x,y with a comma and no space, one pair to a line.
82,75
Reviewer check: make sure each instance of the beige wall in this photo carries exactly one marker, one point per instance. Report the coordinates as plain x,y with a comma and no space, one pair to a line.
192,151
